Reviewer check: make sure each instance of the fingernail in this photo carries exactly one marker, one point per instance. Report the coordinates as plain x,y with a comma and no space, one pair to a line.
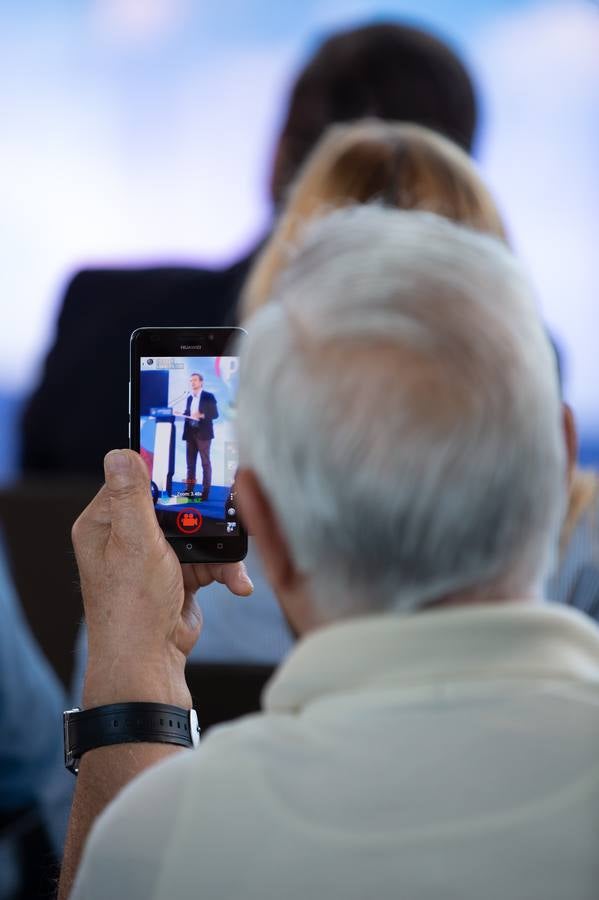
195,614
245,578
117,464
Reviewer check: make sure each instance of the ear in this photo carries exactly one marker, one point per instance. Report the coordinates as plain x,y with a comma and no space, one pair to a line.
570,437
260,520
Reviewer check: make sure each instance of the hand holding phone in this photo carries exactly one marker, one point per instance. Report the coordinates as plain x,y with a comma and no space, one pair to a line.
138,601
183,394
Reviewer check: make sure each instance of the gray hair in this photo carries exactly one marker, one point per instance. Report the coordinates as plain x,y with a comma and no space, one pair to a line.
400,407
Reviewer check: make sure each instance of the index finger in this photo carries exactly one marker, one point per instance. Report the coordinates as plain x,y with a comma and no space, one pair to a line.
232,575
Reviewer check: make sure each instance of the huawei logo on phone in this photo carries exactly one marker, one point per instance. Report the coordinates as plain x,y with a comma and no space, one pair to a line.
191,347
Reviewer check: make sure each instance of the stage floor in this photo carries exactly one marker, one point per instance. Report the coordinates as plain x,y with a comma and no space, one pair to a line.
212,508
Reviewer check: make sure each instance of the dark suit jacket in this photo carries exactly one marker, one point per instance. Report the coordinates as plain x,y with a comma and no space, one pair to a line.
203,427
79,410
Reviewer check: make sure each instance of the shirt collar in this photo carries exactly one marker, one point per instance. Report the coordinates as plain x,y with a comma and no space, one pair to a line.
508,640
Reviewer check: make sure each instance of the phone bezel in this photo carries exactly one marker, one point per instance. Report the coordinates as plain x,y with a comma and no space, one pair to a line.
150,341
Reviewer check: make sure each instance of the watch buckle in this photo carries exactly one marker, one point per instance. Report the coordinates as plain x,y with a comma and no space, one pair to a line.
71,763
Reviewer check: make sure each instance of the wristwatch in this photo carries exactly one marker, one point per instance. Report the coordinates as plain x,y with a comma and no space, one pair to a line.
126,723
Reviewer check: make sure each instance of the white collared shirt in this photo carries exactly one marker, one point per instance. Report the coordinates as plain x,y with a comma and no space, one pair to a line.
195,402
448,754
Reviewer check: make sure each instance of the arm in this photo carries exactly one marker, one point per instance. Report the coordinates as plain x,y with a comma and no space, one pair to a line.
142,623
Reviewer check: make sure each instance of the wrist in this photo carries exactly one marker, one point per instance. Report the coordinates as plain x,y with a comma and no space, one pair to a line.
130,689
116,724
147,680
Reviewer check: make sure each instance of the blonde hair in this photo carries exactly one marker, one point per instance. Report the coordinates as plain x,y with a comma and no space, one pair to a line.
396,164
583,494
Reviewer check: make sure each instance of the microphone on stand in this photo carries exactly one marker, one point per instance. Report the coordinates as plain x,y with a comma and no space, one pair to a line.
182,415
171,403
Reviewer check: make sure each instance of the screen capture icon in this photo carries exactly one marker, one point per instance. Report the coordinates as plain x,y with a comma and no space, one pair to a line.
189,521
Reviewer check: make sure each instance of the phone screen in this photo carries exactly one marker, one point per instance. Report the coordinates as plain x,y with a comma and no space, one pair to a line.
184,389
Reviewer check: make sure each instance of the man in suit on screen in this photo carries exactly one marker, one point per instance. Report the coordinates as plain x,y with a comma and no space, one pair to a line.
198,432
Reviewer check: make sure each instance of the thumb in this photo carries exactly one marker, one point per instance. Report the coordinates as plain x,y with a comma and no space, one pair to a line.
132,516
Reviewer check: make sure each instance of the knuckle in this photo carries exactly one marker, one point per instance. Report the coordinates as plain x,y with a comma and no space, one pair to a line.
128,492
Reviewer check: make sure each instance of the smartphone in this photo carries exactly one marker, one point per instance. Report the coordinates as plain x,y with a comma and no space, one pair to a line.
183,392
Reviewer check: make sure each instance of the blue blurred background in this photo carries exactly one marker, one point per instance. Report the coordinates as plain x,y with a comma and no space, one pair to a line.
142,131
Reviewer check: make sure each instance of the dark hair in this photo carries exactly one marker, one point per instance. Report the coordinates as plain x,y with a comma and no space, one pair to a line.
196,375
385,70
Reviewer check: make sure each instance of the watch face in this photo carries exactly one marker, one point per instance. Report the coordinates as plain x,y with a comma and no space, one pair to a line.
194,728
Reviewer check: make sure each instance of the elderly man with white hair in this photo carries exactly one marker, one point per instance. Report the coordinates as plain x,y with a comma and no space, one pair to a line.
435,731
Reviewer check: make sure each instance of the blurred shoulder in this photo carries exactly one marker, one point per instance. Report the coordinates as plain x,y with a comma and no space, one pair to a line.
102,285
161,295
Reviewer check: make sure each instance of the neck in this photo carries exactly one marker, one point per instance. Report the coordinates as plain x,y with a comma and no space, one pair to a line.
480,599
301,611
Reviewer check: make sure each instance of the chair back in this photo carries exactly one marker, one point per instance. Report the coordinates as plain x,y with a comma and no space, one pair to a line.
225,691
36,517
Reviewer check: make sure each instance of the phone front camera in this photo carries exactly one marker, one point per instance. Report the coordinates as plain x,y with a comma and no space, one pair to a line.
150,362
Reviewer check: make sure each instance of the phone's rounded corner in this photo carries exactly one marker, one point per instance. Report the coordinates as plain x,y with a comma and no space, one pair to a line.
240,558
136,334
244,548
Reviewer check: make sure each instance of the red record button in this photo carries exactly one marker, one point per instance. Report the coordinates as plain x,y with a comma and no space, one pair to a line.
189,521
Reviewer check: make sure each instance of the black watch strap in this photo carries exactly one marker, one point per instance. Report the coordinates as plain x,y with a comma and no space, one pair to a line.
126,723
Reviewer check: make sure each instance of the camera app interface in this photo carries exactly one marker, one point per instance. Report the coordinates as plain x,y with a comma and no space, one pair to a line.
187,440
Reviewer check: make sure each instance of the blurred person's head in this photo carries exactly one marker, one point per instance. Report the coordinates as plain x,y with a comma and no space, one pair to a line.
384,70
396,164
410,448
196,382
